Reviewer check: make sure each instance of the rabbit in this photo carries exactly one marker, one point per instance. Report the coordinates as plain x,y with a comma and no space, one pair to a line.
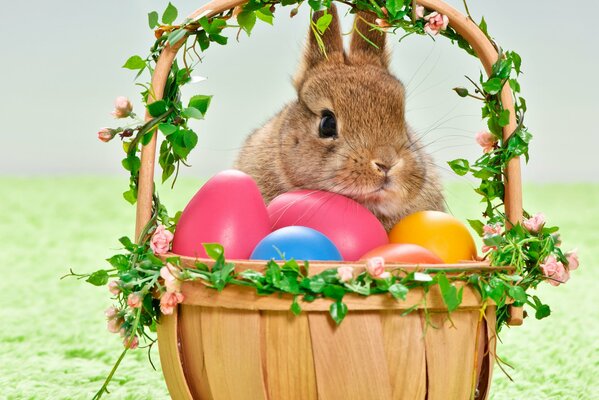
346,132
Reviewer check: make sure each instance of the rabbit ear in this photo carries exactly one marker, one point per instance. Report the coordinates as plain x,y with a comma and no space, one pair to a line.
332,41
363,52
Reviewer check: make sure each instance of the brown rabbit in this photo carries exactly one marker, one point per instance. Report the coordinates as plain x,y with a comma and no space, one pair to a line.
346,132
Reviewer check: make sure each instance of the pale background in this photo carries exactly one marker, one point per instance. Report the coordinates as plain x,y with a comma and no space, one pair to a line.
60,72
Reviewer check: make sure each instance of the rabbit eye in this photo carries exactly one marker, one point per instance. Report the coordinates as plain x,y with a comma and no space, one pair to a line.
328,126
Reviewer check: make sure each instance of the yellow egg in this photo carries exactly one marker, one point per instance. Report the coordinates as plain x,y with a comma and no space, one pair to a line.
438,232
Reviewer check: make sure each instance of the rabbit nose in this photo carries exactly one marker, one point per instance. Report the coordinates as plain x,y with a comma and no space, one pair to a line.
380,167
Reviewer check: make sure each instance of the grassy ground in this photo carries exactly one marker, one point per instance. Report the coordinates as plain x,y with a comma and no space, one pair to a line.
53,341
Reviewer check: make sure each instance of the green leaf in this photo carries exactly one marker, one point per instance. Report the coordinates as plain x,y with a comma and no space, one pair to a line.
483,26
190,138
323,22
451,296
127,243
316,284
119,261
460,166
167,129
247,20
220,39
176,35
315,5
542,311
132,163
170,14
191,112
153,19
517,293
398,291
200,102
98,278
394,7
296,309
265,15
338,311
135,62
462,92
157,108
493,86
504,118
214,250
477,226
130,195
334,292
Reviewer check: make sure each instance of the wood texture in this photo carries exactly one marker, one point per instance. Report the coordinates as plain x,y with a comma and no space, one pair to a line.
516,317
487,371
450,355
287,356
244,298
403,338
232,352
170,359
349,359
192,352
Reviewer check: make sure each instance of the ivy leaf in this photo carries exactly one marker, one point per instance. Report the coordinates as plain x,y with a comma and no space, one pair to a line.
296,309
214,250
98,278
542,311
483,26
119,261
247,20
460,166
170,14
132,163
504,118
167,129
398,291
323,22
127,243
157,108
477,226
451,296
135,62
265,15
190,138
200,102
517,293
130,195
493,86
334,292
153,19
394,7
191,112
338,311
314,4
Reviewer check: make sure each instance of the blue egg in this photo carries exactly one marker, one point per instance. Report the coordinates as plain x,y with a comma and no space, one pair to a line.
296,242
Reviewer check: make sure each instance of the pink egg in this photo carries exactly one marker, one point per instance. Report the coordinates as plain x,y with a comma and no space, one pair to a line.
352,228
229,210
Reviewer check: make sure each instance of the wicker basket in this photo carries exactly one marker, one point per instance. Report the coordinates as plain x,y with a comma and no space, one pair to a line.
236,345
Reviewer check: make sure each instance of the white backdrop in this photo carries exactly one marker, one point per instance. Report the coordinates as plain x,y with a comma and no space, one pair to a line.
60,72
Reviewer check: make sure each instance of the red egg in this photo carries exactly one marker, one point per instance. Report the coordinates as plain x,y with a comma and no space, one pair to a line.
404,253
229,210
349,225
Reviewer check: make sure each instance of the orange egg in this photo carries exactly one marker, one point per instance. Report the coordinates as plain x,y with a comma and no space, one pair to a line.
403,253
437,231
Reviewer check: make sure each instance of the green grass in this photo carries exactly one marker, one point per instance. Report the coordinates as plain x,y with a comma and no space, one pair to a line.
53,340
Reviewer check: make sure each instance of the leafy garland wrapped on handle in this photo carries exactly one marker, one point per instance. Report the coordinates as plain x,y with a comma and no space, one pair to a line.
146,283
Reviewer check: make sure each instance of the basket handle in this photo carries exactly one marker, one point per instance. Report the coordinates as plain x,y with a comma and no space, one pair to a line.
463,25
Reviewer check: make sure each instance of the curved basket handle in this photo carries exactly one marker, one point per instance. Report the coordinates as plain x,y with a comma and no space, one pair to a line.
462,24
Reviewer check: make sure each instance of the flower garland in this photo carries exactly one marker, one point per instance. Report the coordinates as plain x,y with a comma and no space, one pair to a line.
146,285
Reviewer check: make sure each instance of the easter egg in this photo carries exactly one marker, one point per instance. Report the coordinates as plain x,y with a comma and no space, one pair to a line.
298,242
351,227
404,253
439,232
229,210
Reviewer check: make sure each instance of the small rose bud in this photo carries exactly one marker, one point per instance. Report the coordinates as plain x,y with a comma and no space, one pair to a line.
272,8
131,343
126,133
134,300
382,23
106,134
435,23
572,257
293,13
178,120
554,270
375,266
345,274
535,223
419,11
384,10
113,287
122,107
486,140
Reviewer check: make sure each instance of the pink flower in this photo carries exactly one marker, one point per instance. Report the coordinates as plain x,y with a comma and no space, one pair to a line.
382,23
106,134
572,257
535,223
489,230
114,287
170,274
134,300
375,266
435,23
111,312
161,240
486,140
114,325
419,11
122,107
169,301
554,270
131,343
345,273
